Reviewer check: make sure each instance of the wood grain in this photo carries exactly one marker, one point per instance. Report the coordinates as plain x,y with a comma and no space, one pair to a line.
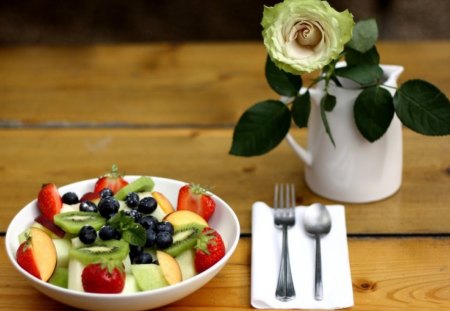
31,157
161,84
387,274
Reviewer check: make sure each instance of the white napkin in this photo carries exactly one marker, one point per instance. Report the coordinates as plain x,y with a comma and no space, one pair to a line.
266,250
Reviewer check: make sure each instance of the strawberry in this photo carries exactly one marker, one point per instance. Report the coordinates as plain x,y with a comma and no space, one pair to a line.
103,278
25,258
209,249
112,180
195,198
90,196
49,201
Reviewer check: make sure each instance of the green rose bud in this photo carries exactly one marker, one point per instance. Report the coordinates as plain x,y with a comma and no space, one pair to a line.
305,35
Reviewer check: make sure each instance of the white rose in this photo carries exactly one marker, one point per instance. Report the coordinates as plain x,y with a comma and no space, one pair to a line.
305,35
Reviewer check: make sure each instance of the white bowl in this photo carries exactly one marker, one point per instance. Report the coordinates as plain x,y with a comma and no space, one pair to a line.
224,221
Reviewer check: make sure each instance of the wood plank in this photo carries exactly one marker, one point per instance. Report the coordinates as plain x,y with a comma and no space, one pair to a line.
396,274
161,84
31,157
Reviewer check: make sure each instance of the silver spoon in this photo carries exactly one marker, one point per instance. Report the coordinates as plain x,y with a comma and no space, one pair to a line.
317,222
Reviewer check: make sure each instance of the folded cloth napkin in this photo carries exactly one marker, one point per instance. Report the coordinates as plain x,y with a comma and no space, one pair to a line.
266,251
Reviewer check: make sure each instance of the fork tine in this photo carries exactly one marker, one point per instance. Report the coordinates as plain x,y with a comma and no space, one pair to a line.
275,197
292,196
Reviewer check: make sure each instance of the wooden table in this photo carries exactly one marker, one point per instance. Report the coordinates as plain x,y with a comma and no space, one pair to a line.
67,113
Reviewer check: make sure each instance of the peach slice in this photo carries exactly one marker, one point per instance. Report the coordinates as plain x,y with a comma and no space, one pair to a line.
163,202
170,268
37,255
183,217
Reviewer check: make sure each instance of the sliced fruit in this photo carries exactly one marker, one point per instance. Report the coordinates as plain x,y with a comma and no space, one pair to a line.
90,196
141,184
70,208
179,218
72,222
148,276
112,180
195,198
169,267
163,202
62,247
50,225
186,262
75,271
184,238
41,227
101,251
49,200
103,278
60,277
209,249
130,284
37,255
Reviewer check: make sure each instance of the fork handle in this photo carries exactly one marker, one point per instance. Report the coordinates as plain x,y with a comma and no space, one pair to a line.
285,287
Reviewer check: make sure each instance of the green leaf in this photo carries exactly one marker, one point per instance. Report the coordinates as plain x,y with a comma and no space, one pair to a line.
363,74
261,128
323,115
373,111
353,57
365,35
422,107
282,82
329,101
135,235
301,109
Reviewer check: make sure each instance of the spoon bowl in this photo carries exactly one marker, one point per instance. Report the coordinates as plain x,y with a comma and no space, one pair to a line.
317,219
317,222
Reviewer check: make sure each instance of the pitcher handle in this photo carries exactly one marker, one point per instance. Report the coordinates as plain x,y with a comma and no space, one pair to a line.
301,152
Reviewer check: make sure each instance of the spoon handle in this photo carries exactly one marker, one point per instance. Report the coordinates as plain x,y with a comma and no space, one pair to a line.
318,287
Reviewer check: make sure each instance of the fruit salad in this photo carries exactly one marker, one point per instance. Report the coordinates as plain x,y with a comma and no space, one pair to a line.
120,238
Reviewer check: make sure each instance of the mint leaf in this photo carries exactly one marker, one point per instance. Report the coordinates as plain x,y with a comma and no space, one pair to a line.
365,35
135,235
323,115
301,109
353,57
422,107
261,128
120,221
282,82
373,111
363,74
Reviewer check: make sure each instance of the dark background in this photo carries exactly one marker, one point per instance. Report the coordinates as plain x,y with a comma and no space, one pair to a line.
116,21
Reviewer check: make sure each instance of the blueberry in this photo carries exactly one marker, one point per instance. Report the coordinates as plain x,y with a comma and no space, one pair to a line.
107,232
70,198
164,239
87,234
108,207
106,193
132,200
147,205
165,226
135,250
135,214
148,222
88,206
151,238
142,258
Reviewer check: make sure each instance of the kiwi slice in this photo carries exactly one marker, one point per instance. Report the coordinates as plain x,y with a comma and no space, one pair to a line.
141,184
184,238
72,222
101,251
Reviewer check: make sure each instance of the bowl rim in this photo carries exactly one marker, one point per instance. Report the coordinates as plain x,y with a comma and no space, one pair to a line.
185,283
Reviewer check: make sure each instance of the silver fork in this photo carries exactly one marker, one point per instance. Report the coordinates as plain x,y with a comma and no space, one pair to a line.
284,203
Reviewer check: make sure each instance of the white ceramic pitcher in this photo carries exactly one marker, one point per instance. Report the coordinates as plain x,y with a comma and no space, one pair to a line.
355,171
